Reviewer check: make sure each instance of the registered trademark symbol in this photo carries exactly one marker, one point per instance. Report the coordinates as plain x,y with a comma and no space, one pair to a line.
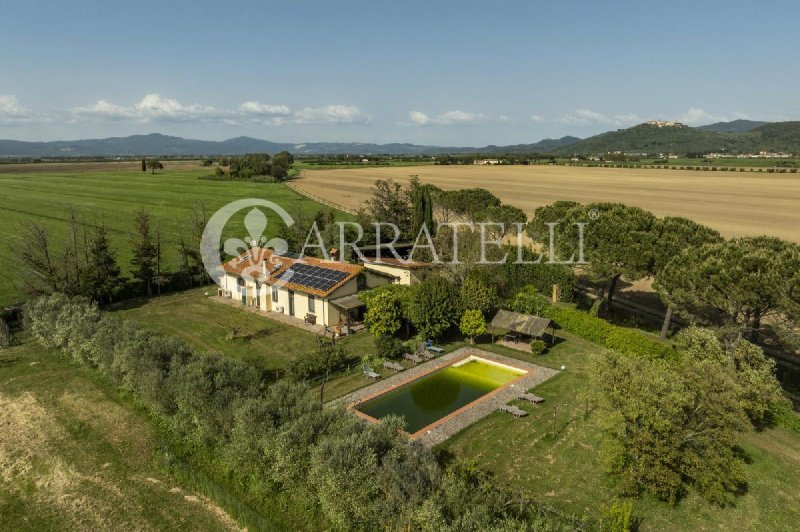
594,214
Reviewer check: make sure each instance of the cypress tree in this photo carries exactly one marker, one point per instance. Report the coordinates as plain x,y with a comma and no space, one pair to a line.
103,270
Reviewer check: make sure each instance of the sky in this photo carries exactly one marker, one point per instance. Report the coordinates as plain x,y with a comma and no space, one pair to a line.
455,73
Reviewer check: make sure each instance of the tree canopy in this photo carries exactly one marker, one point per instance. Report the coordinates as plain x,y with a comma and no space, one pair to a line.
736,283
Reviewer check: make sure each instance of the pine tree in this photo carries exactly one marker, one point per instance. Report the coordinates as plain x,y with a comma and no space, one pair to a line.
144,165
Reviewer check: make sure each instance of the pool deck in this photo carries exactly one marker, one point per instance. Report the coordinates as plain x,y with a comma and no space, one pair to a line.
465,416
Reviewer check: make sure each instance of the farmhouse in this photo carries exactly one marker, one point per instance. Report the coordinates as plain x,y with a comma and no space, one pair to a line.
315,290
399,271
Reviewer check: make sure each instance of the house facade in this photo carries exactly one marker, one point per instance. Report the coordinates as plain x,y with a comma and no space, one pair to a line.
310,289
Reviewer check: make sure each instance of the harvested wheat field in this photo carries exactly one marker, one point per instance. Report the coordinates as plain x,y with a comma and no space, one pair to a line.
734,203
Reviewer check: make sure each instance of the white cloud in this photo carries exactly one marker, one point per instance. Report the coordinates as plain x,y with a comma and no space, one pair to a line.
537,119
256,108
451,118
586,117
698,116
154,107
103,109
151,107
330,114
419,118
11,112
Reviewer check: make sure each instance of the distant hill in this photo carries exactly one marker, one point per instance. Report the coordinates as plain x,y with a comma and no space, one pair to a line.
653,139
158,144
734,126
543,146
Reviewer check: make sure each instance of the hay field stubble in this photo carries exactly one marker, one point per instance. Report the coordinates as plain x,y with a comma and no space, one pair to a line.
734,203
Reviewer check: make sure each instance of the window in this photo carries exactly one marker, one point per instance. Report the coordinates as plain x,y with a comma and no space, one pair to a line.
311,303
275,294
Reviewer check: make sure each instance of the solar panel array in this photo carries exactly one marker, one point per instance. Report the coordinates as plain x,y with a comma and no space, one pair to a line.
312,276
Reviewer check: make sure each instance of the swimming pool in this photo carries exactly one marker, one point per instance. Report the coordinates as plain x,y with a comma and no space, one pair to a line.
431,397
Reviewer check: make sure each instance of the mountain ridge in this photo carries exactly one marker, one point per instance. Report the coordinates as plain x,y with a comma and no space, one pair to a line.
656,139
651,137
163,145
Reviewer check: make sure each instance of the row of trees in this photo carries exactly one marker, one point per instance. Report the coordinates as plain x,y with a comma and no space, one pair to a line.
256,166
742,284
735,283
411,206
87,264
262,439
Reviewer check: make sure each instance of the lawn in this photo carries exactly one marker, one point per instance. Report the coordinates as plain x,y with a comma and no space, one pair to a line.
75,455
111,194
566,471
206,324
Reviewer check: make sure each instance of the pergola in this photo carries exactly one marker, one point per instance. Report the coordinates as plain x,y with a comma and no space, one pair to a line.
522,324
349,305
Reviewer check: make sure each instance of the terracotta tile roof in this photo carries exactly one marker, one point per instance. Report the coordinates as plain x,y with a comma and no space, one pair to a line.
256,261
391,261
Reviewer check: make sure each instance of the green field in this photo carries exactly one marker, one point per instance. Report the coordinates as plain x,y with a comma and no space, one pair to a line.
76,455
111,196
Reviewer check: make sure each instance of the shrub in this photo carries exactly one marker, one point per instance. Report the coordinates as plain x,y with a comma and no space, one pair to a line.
529,301
597,330
384,314
538,347
618,517
389,346
472,324
435,307
324,359
478,294
541,276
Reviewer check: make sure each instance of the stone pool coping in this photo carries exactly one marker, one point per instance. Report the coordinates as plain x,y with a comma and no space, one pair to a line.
443,428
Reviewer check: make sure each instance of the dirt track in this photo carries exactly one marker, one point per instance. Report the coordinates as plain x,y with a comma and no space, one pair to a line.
734,203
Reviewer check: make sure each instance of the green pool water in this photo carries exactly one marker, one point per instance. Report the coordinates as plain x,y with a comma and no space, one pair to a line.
433,396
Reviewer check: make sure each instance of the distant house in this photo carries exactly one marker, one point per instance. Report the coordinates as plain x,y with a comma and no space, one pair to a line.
665,123
486,161
315,290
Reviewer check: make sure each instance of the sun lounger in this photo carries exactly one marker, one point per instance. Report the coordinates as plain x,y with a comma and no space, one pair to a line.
535,399
513,410
416,359
370,373
393,365
434,348
424,353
